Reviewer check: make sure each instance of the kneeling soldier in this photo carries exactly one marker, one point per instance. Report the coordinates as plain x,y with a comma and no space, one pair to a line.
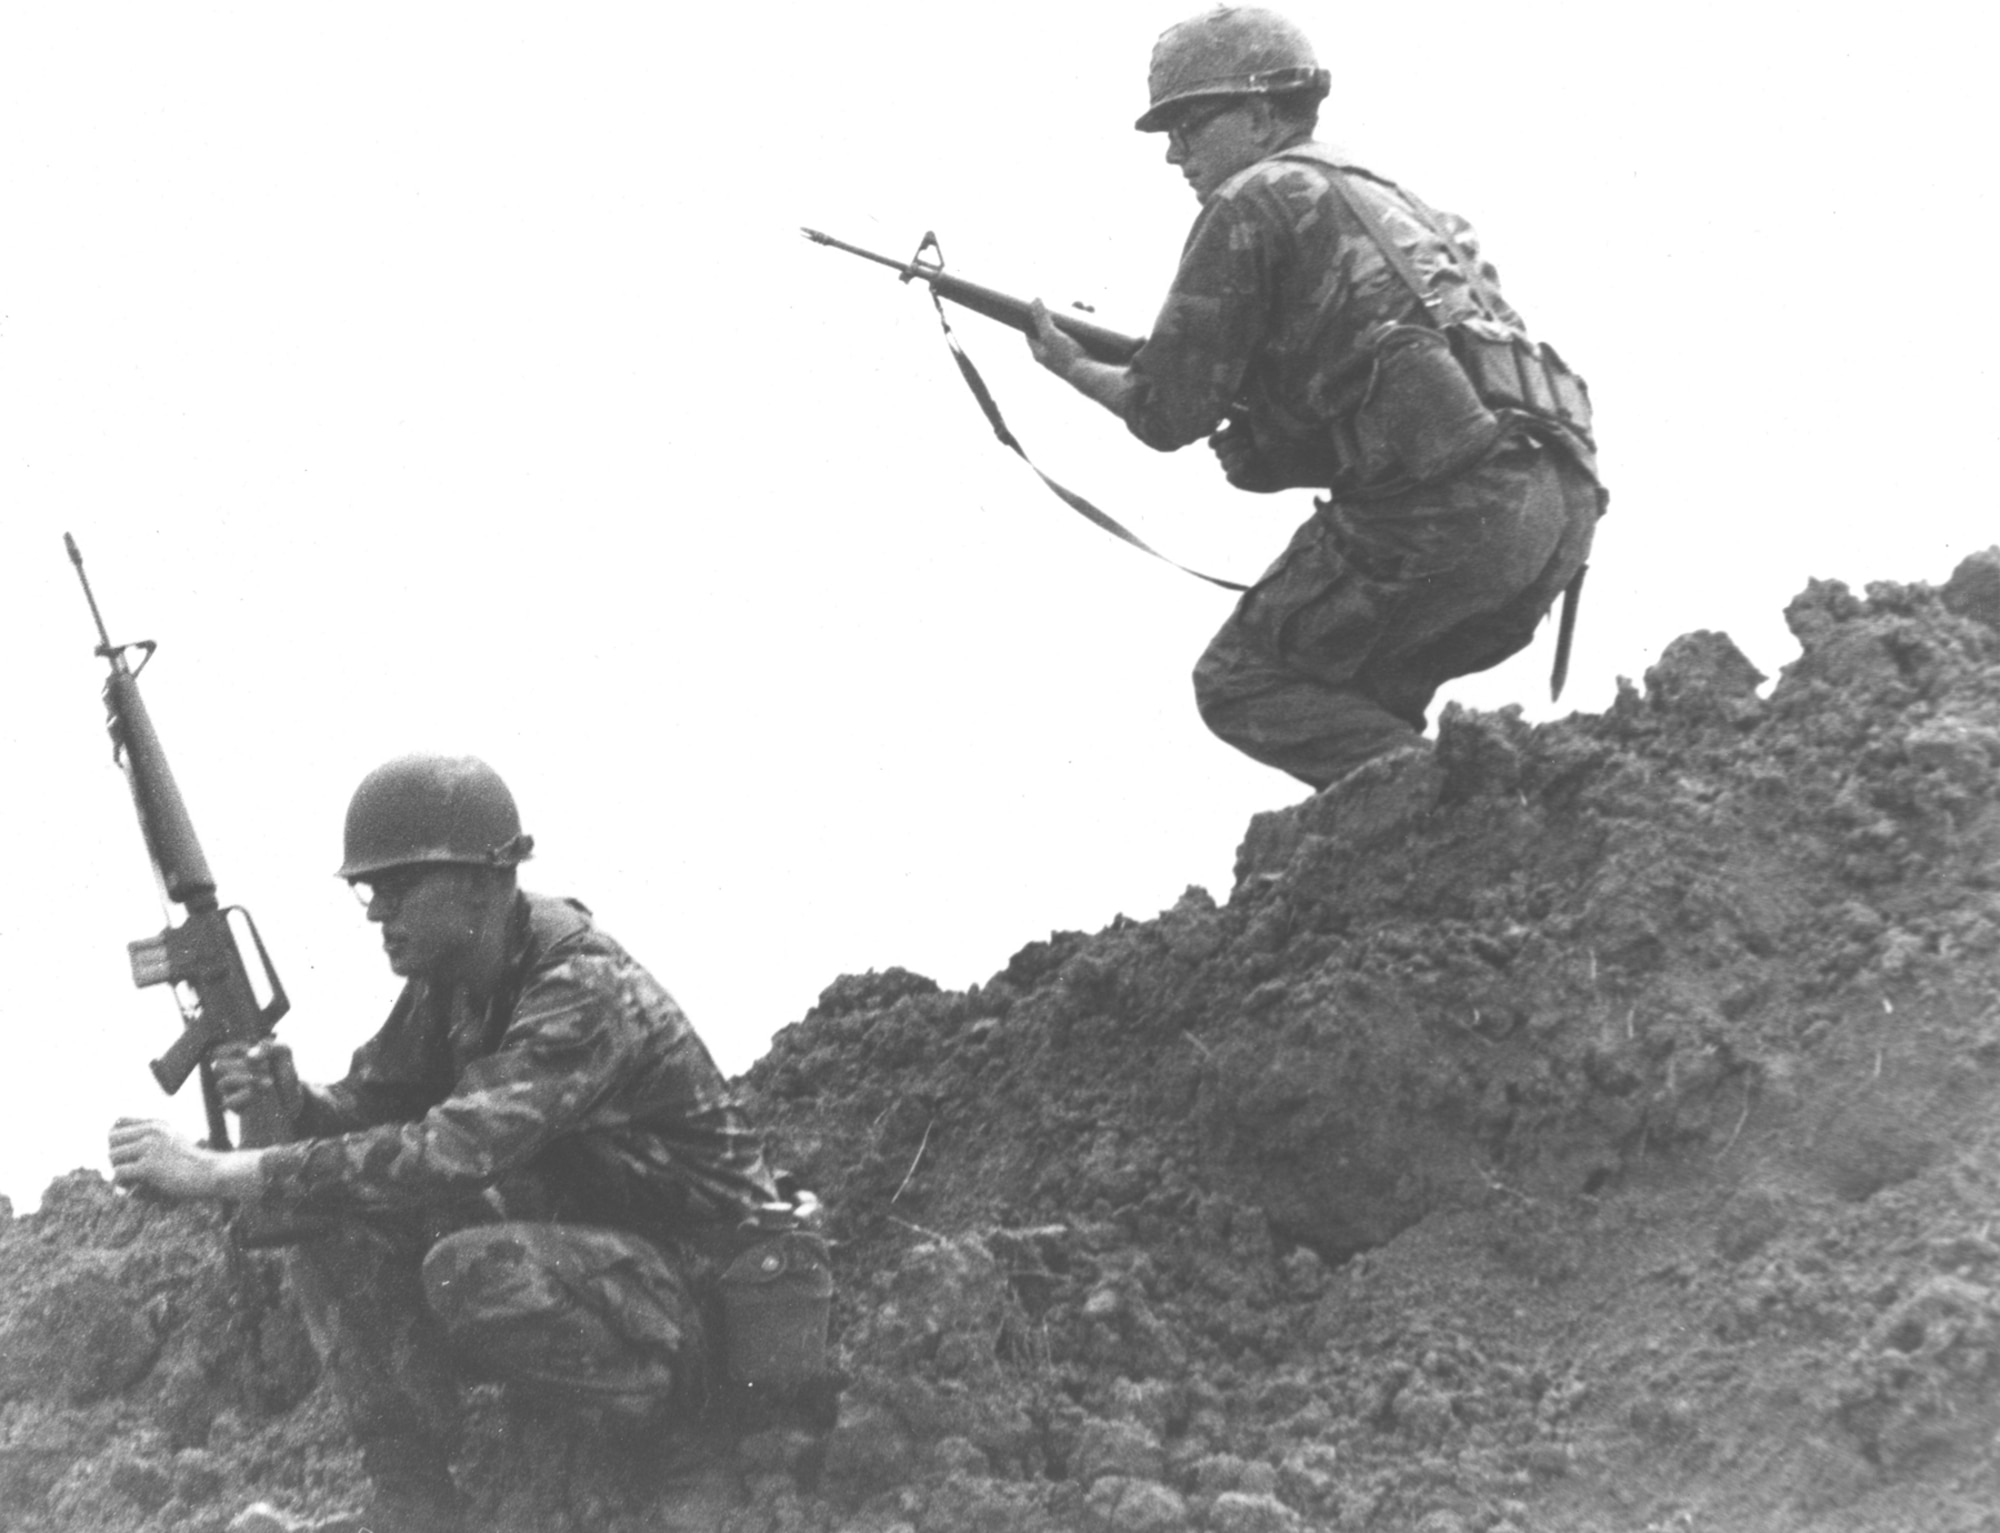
530,1173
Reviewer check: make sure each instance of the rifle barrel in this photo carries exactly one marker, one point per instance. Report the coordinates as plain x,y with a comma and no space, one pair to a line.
163,816
907,268
1100,341
76,558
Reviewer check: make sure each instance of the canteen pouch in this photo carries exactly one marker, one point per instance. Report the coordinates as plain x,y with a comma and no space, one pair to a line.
776,1299
1438,400
1422,417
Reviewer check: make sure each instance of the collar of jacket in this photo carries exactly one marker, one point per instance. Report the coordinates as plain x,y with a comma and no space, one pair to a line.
537,923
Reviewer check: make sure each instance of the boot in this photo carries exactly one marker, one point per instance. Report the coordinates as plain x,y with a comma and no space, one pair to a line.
1383,794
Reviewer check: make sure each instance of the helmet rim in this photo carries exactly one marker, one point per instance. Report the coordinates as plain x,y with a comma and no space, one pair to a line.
1229,51
431,809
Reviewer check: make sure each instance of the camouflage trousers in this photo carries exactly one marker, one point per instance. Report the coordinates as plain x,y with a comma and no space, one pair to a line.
1333,657
401,1313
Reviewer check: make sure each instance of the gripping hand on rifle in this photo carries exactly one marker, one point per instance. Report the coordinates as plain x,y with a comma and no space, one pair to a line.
259,1076
1263,463
1063,355
1249,461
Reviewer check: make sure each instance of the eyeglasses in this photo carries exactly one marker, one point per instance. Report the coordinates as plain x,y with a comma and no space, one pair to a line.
1192,121
392,885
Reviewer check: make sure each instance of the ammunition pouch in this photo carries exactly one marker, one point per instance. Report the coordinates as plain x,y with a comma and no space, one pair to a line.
777,1295
1511,372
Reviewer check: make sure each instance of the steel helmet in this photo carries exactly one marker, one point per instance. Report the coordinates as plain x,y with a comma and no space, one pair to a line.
1229,51
419,809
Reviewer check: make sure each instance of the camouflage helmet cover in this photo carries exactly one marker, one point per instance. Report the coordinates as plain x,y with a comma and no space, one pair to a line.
1229,51
419,809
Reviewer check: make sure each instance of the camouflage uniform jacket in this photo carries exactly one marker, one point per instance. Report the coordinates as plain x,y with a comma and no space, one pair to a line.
578,1092
1280,295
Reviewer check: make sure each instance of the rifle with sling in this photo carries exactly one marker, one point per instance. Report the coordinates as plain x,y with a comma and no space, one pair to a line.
1101,343
200,954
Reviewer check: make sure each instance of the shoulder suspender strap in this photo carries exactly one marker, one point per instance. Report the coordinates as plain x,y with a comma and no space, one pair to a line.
1369,220
1468,264
1337,176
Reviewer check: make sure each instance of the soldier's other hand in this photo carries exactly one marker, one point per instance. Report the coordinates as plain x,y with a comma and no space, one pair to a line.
258,1075
1236,450
1054,348
1264,467
146,1153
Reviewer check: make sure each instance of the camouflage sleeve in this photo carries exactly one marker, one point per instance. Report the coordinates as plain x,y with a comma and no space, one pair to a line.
565,1049
1213,322
327,1110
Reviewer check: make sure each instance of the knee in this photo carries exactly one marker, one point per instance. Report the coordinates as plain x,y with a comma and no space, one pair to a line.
1219,682
562,1307
466,1268
1207,701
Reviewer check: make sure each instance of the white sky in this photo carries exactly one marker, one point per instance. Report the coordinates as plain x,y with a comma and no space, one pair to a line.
454,377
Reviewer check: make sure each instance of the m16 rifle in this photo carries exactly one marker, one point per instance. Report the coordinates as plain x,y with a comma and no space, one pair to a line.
1099,342
1102,343
199,955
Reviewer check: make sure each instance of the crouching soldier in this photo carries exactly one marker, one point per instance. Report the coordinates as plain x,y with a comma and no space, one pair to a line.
1328,330
533,1172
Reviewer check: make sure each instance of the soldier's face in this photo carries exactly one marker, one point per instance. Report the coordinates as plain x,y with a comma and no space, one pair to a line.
1213,142
430,917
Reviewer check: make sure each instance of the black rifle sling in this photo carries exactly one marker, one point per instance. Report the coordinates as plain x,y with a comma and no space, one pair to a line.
1068,496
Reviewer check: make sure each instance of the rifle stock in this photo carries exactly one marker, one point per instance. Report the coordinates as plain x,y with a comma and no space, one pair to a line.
1100,341
200,955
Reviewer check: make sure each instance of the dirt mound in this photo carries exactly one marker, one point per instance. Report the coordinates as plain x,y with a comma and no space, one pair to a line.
1588,1127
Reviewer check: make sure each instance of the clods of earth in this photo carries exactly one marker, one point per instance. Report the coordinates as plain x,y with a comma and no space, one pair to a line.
1586,1126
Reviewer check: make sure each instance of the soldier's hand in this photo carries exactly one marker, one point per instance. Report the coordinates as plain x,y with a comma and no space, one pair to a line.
1264,466
1235,448
146,1153
258,1075
1054,348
